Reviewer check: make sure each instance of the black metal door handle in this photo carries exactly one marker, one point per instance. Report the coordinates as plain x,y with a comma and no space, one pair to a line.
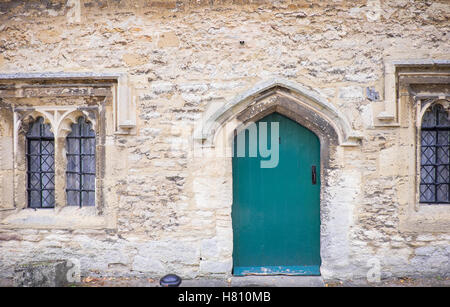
313,174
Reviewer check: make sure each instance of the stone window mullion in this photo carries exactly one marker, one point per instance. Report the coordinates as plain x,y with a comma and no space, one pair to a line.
60,172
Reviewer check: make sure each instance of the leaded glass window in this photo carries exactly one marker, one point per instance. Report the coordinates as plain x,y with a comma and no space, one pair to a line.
41,165
435,153
81,165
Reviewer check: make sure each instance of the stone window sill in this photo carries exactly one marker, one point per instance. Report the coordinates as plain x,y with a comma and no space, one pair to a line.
64,218
438,209
428,218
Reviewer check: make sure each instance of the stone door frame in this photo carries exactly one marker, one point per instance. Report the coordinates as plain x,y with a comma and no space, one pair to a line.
307,108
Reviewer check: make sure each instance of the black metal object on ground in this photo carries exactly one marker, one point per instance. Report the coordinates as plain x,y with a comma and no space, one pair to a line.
170,280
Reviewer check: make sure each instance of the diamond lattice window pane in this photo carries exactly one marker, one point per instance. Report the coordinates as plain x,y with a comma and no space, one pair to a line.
81,159
428,155
73,181
35,199
443,174
86,129
443,137
88,182
73,146
435,156
48,181
442,156
427,193
442,192
34,147
48,198
75,130
46,131
41,165
47,147
91,132
35,130
428,138
88,146
47,163
73,198
88,164
34,163
429,119
88,198
73,163
427,174
442,119
35,181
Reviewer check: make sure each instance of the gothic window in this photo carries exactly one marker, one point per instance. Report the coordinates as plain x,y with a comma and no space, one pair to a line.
81,165
41,165
435,163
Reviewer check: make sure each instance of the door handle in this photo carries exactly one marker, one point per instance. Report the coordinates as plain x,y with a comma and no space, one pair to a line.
313,174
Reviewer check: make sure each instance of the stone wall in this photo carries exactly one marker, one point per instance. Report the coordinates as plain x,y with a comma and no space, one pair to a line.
185,60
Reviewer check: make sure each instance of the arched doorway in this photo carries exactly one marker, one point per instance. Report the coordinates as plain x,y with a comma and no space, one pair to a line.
307,108
276,210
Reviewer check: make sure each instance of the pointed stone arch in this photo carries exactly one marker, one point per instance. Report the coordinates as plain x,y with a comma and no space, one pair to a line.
298,102
71,116
22,120
426,104
214,138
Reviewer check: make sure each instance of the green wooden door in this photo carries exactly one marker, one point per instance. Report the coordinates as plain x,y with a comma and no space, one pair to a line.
276,211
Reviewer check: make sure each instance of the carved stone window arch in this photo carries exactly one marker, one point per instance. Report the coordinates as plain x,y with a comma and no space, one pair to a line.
60,120
418,86
23,121
40,151
81,166
434,155
105,100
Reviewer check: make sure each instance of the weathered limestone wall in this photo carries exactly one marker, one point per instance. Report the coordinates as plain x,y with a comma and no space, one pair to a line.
184,60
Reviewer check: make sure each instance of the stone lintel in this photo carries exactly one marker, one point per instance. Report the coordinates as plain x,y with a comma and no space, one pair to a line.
65,84
405,73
